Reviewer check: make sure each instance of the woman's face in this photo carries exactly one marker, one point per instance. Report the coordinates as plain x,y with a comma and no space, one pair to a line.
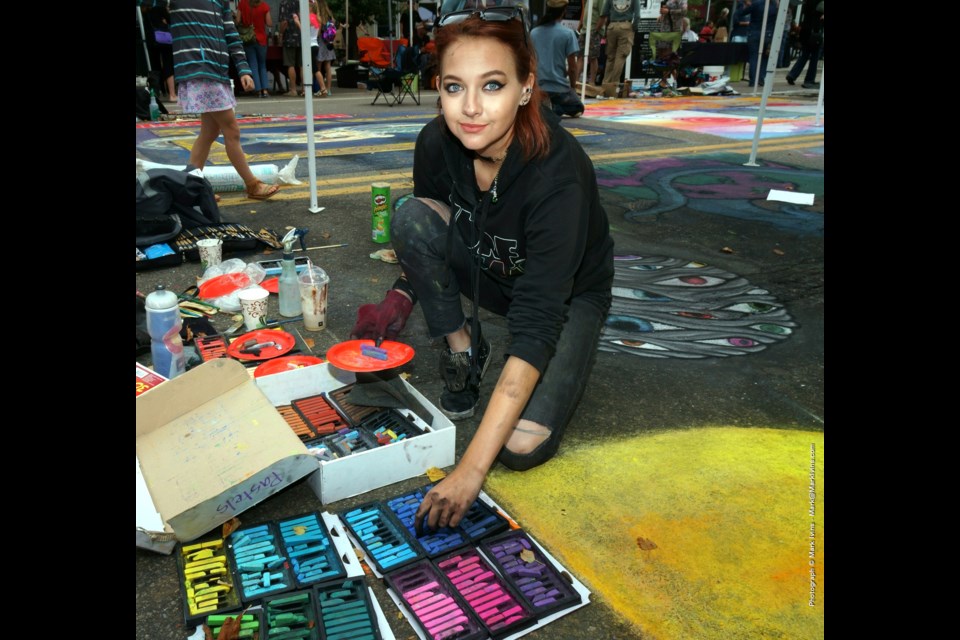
480,94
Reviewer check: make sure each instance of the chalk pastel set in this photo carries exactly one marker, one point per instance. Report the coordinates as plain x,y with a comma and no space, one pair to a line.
259,562
291,616
205,578
335,429
479,521
251,625
486,593
431,604
385,542
346,611
312,553
540,584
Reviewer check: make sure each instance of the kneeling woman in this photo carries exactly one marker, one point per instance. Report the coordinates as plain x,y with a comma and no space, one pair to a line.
506,210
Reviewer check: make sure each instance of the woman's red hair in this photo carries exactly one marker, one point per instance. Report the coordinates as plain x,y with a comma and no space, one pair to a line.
529,128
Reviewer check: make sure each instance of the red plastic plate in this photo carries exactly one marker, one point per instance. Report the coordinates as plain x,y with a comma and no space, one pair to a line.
287,363
271,284
223,285
284,339
347,356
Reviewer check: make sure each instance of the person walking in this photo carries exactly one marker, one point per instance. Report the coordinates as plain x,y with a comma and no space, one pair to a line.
201,63
619,17
256,13
759,52
811,39
507,210
290,39
557,47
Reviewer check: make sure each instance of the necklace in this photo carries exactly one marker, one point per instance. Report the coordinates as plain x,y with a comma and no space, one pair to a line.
493,187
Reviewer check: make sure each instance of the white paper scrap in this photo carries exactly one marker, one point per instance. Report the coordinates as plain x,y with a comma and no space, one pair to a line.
790,196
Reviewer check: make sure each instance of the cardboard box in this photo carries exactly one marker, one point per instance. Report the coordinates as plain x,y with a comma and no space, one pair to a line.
366,470
209,446
147,379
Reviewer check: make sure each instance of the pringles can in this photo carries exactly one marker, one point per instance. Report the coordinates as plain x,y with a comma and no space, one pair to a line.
381,212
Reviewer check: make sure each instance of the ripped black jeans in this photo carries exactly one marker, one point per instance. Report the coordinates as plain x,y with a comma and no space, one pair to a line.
419,236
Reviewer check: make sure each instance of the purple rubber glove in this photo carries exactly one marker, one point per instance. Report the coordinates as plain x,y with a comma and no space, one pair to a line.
384,320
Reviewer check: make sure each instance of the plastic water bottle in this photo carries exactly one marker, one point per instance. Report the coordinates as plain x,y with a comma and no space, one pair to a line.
163,325
154,107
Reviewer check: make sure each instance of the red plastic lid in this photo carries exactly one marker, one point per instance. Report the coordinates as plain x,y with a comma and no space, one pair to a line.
347,356
223,285
282,338
287,363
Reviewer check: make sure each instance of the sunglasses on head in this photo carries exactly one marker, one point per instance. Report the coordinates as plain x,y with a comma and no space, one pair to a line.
490,14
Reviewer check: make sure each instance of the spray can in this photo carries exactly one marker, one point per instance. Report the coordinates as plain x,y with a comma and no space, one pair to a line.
381,211
163,325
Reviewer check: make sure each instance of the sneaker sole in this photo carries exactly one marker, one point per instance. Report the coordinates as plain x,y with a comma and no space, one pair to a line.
458,416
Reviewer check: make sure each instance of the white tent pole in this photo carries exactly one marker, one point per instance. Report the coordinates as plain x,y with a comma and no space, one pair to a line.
307,62
346,37
143,37
410,4
763,31
768,80
586,52
819,99
390,26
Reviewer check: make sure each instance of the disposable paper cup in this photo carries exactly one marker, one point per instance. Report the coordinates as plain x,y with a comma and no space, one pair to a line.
211,252
253,302
313,298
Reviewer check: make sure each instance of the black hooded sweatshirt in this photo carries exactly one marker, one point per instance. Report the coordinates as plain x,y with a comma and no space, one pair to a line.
545,236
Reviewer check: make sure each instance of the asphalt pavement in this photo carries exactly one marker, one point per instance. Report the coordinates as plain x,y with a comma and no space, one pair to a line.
718,320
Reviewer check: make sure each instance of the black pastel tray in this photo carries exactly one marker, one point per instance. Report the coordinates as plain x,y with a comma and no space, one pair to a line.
488,596
385,542
346,612
310,550
434,604
203,568
539,582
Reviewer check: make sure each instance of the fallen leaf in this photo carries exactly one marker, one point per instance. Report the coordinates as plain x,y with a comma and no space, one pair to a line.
299,529
778,252
527,555
325,235
309,342
253,210
436,473
646,545
727,250
230,526
405,375
359,553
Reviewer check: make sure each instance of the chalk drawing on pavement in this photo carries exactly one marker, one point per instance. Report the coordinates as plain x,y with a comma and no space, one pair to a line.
673,308
716,186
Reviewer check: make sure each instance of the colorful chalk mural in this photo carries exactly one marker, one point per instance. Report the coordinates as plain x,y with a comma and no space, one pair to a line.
673,308
718,184
734,118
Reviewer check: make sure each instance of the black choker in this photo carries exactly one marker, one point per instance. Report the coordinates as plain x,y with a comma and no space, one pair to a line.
493,160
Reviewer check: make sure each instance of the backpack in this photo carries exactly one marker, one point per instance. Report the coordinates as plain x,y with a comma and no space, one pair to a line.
329,32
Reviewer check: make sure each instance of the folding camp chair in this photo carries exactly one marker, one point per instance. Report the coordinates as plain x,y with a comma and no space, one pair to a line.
384,76
408,64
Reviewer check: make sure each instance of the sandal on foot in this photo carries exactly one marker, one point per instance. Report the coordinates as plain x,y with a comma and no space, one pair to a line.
262,190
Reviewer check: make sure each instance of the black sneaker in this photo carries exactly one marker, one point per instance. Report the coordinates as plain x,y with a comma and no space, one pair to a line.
791,81
460,398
